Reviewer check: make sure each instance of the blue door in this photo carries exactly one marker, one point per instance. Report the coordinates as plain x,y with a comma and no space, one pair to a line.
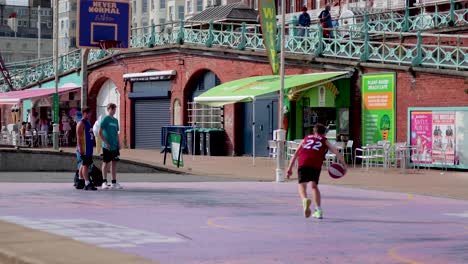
266,120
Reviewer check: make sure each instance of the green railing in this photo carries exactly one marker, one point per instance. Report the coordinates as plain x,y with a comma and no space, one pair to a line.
397,21
382,41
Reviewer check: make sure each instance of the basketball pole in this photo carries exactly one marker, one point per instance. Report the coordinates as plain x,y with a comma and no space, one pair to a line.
84,79
55,128
280,140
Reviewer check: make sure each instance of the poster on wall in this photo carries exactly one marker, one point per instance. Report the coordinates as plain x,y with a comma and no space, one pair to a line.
443,137
439,136
378,108
421,136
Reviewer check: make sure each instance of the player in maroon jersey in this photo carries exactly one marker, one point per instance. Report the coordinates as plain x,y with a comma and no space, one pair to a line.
311,154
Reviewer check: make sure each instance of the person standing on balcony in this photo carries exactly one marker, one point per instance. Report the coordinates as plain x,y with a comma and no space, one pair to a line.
326,19
304,22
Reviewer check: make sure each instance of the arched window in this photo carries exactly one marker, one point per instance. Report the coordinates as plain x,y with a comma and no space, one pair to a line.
107,94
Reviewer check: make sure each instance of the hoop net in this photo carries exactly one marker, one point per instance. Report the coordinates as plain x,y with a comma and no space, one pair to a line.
110,44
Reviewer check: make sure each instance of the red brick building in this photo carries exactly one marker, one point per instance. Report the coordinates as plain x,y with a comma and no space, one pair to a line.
414,87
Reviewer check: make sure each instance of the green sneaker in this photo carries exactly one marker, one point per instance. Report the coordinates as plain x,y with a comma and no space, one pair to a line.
318,214
306,205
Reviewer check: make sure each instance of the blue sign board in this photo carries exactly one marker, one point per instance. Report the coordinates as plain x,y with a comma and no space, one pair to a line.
100,20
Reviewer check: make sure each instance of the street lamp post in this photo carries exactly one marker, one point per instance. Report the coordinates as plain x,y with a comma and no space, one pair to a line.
280,136
39,33
55,130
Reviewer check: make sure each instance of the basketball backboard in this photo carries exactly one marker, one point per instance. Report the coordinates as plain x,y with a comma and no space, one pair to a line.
103,20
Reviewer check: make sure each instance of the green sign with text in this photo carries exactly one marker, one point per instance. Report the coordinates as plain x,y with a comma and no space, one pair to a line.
56,108
176,149
378,108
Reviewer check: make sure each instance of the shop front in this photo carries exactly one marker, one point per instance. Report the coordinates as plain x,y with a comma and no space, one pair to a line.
327,104
151,104
326,94
34,112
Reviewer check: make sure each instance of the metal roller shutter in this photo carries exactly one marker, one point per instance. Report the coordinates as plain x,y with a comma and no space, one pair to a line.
150,117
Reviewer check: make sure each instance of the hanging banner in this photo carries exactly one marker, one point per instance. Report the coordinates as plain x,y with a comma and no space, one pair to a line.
443,140
421,136
378,107
267,12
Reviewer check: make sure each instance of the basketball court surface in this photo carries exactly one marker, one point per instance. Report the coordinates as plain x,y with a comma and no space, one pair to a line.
246,222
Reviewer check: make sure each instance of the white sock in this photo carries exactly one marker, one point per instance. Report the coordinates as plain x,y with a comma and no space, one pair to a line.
86,182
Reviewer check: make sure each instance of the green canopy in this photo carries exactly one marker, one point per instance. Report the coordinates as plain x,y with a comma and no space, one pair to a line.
246,90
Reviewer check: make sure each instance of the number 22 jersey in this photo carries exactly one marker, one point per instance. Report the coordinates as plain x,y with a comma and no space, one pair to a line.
314,148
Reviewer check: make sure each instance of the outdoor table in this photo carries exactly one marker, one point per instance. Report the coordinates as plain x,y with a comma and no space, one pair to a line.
405,157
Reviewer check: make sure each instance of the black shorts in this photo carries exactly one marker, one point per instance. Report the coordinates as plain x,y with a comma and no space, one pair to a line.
110,155
308,174
86,160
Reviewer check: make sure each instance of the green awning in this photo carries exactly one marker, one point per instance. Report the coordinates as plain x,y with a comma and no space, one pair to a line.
246,90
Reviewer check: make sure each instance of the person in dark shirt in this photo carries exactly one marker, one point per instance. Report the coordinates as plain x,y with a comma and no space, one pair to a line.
326,19
304,21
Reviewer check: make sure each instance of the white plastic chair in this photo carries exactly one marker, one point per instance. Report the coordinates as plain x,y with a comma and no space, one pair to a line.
348,150
365,156
272,149
329,158
291,148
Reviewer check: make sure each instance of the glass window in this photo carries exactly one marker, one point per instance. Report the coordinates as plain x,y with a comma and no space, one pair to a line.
134,6
256,4
152,4
291,7
145,6
189,7
171,13
162,4
181,13
162,21
199,5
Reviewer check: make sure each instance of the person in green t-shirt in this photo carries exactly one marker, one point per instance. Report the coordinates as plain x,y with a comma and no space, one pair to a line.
109,132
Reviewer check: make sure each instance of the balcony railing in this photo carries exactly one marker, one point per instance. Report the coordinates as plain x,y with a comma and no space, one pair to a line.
373,40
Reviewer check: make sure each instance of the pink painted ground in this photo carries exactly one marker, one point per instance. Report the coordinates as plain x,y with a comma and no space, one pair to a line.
228,222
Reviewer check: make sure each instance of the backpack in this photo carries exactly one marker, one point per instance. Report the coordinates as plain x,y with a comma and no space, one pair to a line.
95,175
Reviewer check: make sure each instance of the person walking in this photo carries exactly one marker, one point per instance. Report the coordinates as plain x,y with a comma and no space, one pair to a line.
110,146
85,145
311,154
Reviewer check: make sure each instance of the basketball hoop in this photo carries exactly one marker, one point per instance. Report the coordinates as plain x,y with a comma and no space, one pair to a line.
110,44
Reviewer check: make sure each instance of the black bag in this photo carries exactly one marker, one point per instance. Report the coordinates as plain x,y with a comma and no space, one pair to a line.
77,178
95,175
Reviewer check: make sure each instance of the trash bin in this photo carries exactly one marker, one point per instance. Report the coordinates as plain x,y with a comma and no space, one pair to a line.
202,145
189,136
215,142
